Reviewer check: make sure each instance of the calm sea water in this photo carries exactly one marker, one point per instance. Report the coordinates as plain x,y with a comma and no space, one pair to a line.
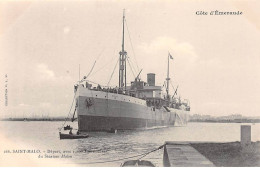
101,146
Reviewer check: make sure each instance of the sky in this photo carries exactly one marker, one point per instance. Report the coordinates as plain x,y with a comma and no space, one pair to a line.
216,58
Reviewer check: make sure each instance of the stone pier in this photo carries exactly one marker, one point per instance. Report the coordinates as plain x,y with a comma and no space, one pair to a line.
182,154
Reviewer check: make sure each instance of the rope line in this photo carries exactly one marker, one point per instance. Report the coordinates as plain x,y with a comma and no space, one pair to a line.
132,46
130,61
104,66
115,34
91,69
69,111
112,73
130,67
172,85
116,160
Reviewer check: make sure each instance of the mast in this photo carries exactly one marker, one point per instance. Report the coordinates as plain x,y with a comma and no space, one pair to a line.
79,73
123,45
168,79
122,59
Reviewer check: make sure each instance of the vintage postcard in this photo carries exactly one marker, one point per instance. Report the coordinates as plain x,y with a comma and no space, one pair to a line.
129,83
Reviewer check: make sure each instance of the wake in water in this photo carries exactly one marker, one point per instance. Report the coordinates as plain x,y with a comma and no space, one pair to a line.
155,127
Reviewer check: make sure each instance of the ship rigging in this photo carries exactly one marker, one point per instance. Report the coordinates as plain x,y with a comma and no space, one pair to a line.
139,105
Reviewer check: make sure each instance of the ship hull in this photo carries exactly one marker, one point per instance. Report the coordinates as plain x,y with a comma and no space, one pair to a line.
103,111
105,123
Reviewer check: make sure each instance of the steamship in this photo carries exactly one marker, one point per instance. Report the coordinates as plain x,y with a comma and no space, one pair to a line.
140,105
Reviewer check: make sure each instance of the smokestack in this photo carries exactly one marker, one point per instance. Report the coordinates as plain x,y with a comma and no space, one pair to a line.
151,79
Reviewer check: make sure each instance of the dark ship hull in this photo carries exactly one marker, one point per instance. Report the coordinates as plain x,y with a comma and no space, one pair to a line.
103,111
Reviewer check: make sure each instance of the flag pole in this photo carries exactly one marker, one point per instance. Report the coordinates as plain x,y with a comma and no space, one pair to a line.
168,78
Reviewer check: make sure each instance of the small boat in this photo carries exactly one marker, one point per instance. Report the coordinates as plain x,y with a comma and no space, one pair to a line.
73,136
133,163
68,127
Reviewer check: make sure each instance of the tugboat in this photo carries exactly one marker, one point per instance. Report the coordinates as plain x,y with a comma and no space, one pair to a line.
68,127
72,136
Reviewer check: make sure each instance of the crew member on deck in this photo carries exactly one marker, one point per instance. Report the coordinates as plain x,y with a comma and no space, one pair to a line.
99,87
